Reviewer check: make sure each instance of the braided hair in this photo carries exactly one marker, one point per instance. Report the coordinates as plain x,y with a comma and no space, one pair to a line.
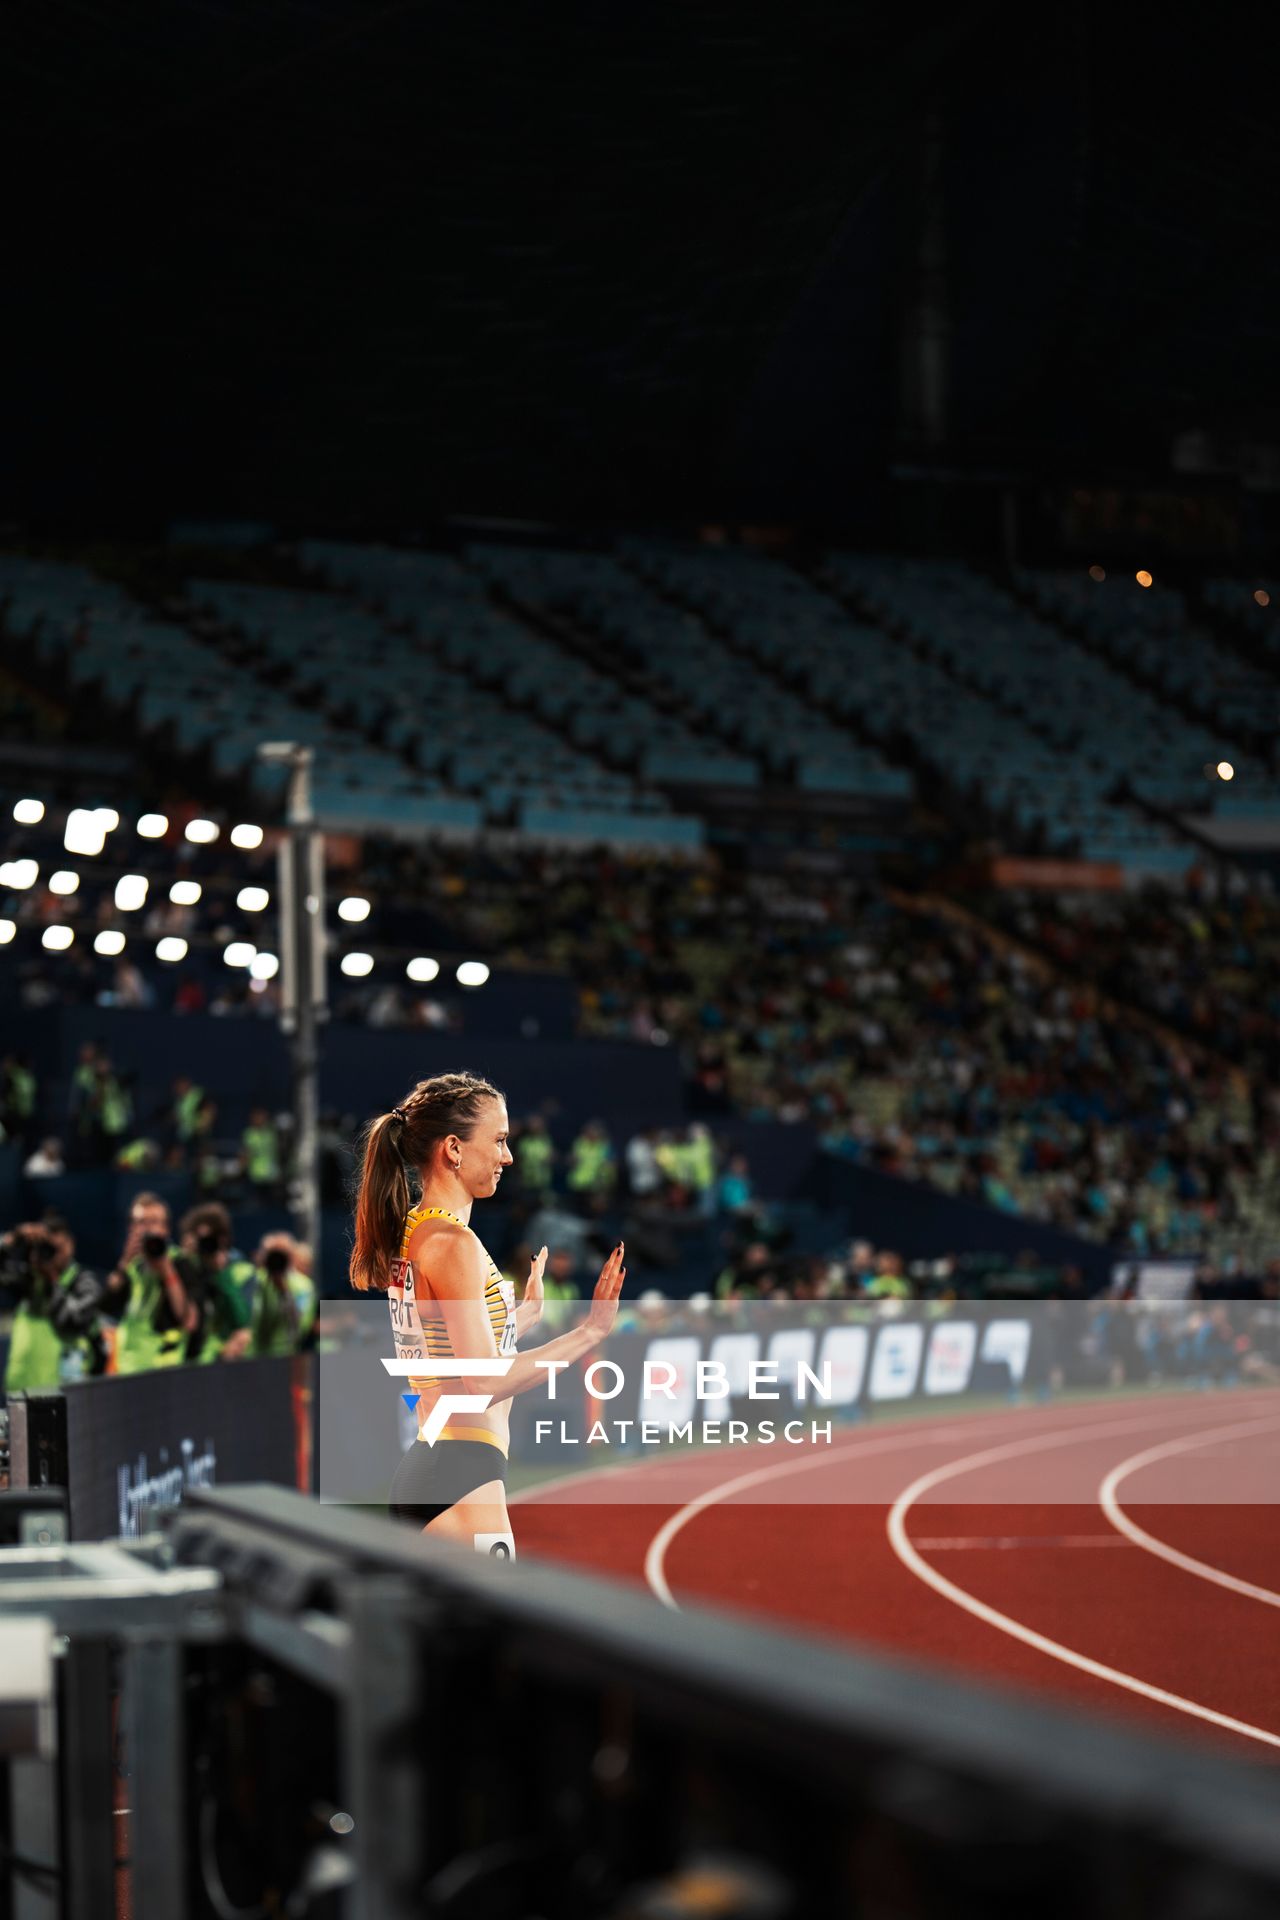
396,1143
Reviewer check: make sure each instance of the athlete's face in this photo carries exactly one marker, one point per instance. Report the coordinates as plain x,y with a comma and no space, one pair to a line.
486,1153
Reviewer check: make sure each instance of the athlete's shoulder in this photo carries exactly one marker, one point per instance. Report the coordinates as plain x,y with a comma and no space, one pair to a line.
455,1248
438,1219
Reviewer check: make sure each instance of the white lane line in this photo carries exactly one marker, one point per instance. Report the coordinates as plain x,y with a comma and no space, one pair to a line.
1016,1629
1108,1500
654,1569
965,1543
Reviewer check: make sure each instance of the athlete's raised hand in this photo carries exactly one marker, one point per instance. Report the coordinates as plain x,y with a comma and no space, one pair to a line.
533,1290
604,1301
529,1312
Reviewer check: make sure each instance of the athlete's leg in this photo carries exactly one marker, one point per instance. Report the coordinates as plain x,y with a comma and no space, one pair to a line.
479,1519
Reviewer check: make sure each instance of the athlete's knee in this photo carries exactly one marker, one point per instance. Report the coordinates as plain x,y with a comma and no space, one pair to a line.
498,1546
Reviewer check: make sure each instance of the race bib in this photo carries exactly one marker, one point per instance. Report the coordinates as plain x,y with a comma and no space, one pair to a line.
498,1546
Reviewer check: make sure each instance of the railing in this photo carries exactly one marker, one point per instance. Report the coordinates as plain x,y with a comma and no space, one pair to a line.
324,1715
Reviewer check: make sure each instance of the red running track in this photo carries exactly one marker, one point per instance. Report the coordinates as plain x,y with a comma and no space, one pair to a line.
1123,1554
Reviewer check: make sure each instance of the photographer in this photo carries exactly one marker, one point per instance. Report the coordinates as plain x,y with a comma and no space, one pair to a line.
57,1333
284,1308
218,1283
147,1290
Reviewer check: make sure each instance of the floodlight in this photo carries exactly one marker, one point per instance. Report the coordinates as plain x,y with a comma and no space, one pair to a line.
131,892
85,832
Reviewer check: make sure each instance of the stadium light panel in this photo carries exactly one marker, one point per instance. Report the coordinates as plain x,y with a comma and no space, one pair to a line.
109,941
172,947
202,833
1098,573
19,874
57,939
240,953
356,965
1225,770
264,966
85,832
107,818
28,813
64,881
153,826
1262,597
247,837
7,930
131,892
472,973
185,893
252,899
1143,578
423,969
353,908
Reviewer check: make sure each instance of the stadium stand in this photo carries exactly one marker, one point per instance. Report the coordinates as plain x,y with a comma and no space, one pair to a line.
925,668
777,736
1177,676
1251,608
905,1033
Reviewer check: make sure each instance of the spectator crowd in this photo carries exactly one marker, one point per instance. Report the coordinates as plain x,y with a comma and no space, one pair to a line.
110,1123
1108,1068
190,1297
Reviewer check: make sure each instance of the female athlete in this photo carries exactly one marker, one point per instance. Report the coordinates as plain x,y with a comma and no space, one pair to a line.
448,1299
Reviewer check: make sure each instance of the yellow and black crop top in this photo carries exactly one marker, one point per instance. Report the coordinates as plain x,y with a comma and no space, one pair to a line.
418,1322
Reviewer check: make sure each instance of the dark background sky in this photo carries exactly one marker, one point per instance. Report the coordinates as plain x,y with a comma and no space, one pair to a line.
339,263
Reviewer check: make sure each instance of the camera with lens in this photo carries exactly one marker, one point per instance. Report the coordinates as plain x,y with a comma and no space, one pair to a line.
209,1244
24,1259
154,1246
276,1262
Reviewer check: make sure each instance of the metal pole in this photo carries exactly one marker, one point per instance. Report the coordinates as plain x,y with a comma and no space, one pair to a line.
302,980
155,1731
925,338
89,1830
308,942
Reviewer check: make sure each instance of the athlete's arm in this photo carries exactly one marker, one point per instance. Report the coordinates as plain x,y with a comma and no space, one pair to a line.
458,1273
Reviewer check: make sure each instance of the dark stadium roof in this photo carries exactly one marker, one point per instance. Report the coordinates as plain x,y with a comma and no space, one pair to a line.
365,262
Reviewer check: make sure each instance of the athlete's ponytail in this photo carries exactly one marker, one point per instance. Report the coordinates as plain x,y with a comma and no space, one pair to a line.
403,1139
381,1206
